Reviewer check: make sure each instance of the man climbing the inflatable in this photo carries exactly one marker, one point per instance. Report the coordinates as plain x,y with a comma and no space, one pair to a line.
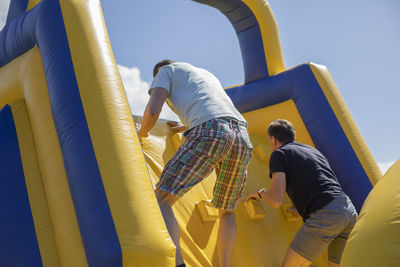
305,174
216,138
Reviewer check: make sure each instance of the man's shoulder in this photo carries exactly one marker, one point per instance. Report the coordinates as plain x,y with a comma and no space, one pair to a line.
179,65
278,154
295,147
179,69
304,150
288,146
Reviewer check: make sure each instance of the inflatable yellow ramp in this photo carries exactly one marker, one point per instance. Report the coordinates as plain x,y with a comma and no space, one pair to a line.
76,185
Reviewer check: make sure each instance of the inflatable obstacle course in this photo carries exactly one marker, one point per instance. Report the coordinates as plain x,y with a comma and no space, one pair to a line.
77,180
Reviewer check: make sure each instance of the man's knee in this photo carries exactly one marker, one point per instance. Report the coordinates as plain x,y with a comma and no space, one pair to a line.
222,212
165,197
292,258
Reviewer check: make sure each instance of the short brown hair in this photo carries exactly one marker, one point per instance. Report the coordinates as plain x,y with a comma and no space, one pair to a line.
160,64
282,130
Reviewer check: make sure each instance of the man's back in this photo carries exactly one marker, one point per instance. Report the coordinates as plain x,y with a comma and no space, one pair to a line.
310,182
195,94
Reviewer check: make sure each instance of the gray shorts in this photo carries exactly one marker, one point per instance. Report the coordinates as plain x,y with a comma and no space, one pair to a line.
328,227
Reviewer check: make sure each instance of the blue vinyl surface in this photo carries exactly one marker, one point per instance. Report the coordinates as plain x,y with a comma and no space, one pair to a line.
44,26
18,35
300,85
96,224
18,242
16,8
249,35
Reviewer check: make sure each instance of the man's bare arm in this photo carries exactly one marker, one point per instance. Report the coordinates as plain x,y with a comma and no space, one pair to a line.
275,195
153,110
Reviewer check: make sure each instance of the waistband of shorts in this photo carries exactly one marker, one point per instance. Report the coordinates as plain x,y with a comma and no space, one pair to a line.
230,120
234,121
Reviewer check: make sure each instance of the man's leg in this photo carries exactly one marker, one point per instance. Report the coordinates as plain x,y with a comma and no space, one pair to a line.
294,259
336,247
231,179
165,201
226,236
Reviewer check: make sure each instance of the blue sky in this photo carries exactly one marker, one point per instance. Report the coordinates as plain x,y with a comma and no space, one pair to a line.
357,40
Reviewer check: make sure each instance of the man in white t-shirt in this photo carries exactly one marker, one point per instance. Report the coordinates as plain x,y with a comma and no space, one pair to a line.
216,138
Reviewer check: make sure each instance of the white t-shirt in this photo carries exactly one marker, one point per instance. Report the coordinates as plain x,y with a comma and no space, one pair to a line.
194,94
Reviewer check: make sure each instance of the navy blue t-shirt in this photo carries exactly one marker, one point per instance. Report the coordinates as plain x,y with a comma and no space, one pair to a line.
310,181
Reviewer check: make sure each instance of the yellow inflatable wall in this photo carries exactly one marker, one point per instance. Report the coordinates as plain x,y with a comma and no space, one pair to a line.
375,239
74,174
67,201
264,233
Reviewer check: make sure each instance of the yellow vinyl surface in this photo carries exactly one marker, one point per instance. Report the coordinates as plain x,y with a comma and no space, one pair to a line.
57,230
375,239
141,231
350,128
129,169
37,197
264,233
270,35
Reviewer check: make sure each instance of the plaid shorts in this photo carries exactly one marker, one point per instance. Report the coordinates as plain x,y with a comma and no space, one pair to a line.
222,144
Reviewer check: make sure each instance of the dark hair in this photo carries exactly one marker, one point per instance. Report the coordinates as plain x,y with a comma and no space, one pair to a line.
282,130
160,64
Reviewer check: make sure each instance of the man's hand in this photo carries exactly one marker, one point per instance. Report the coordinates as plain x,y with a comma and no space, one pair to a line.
253,195
176,126
139,131
293,210
142,134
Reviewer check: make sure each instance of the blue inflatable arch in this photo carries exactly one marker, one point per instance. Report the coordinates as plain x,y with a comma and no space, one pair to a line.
309,86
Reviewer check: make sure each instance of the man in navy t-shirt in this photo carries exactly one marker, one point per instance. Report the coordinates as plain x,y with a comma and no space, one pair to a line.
304,173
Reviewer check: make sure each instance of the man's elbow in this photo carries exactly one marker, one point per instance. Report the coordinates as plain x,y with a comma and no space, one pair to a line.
154,112
276,202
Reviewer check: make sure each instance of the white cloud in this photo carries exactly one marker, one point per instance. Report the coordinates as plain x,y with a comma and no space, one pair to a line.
136,92
4,4
384,166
